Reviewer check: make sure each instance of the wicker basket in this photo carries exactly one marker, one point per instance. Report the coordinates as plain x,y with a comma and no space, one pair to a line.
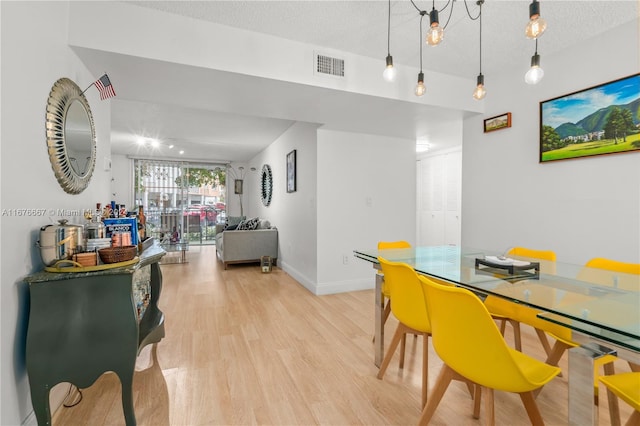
117,254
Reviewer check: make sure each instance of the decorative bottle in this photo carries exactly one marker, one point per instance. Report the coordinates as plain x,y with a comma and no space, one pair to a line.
142,224
95,228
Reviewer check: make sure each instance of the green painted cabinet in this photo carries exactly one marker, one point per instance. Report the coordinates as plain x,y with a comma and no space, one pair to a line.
82,325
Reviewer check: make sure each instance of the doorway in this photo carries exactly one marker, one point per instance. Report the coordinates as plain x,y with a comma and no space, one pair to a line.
183,201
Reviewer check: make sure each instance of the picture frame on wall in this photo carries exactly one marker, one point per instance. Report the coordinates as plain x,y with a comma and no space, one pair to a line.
595,121
237,186
291,171
498,122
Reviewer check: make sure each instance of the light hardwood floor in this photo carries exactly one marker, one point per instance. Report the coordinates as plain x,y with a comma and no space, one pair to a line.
245,348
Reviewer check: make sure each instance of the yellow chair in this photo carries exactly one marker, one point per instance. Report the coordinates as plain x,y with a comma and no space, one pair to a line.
506,311
627,387
408,306
384,245
563,337
472,348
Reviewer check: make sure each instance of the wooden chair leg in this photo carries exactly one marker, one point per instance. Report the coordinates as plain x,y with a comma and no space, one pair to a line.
385,316
542,336
612,399
517,336
403,345
425,368
634,420
442,383
477,397
556,353
532,408
490,412
391,350
503,325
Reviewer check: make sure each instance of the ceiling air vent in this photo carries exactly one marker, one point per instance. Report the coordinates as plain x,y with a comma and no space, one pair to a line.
329,66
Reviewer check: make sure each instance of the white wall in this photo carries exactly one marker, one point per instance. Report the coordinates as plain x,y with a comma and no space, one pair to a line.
34,55
122,180
580,208
366,193
294,214
352,191
203,44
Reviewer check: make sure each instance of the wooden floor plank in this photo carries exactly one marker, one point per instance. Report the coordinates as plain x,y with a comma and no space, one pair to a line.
243,347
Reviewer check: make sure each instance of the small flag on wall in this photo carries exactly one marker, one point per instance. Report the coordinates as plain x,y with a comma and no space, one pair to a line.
104,86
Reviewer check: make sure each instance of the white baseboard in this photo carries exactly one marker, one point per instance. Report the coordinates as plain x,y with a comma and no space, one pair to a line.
333,287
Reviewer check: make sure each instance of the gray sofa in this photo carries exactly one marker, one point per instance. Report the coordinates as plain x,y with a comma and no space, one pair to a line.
247,246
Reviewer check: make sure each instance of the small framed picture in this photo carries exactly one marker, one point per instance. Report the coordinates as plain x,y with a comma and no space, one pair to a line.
291,171
237,186
498,122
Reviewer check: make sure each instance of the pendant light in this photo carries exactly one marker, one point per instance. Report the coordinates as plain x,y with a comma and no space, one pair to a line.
535,73
435,33
389,73
480,92
420,87
536,25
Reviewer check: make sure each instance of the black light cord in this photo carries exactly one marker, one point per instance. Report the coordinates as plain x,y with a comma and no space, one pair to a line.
389,30
422,13
479,16
479,2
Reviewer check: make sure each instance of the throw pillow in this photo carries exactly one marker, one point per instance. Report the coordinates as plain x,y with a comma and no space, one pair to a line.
249,224
264,224
234,220
231,228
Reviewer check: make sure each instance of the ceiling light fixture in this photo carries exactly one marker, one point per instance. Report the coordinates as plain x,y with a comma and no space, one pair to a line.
480,92
420,87
536,25
435,33
535,73
389,73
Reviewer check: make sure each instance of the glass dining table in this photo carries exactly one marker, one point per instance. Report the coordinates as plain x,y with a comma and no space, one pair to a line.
601,308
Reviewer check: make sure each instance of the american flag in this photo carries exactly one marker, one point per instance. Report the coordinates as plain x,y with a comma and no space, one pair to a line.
103,84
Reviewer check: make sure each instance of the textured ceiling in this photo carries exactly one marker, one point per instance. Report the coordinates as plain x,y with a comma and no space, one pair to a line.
361,27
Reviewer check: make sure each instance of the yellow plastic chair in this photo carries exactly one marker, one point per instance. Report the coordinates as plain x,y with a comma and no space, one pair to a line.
408,306
627,387
513,313
563,337
384,245
472,348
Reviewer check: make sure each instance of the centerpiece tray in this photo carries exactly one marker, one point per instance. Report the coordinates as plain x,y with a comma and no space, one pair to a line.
510,266
76,267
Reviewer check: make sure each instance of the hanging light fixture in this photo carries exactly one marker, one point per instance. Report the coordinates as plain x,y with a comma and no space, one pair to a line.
480,92
536,25
535,73
435,33
389,72
420,87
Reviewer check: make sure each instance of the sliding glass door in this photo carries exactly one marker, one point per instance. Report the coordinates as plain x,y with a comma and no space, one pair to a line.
182,201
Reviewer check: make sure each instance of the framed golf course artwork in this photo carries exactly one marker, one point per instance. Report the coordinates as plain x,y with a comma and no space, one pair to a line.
603,119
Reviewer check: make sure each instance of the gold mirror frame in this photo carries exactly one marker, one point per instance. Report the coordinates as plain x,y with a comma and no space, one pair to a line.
63,95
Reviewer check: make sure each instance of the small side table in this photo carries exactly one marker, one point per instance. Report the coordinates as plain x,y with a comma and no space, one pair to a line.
181,247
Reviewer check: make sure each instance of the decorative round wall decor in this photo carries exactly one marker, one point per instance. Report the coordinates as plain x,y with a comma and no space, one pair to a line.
71,136
266,184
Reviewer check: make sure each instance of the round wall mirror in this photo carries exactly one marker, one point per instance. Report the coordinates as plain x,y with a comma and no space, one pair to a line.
266,185
71,136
